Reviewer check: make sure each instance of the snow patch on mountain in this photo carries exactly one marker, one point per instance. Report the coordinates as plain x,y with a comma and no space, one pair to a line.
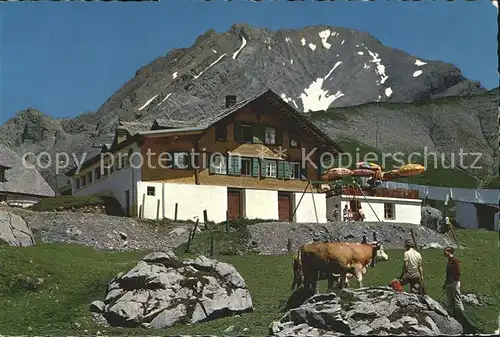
331,71
243,44
388,92
303,41
417,73
315,98
361,53
210,66
380,67
174,75
163,100
312,46
420,63
324,38
148,101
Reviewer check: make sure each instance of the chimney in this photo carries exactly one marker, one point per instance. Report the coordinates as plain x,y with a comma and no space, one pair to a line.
230,100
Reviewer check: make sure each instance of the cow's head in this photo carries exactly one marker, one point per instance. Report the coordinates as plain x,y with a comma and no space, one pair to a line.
378,251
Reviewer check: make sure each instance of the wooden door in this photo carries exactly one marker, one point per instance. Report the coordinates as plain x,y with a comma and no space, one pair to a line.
234,204
285,206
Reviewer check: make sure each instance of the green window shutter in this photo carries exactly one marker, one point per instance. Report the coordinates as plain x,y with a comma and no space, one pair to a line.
263,167
255,167
237,131
236,163
229,164
281,170
286,170
259,133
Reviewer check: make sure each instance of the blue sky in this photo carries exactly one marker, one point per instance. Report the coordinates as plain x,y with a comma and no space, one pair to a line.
65,58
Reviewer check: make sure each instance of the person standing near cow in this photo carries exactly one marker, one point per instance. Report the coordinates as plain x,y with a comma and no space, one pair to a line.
413,272
452,282
452,287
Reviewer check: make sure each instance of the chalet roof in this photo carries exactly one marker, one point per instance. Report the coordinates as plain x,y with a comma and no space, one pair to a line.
166,123
272,99
5,161
134,127
22,178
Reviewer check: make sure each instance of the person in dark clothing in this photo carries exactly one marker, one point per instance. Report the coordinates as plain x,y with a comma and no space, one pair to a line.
452,287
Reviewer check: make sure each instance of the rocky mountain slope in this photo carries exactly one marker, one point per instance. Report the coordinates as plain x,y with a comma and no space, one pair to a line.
324,67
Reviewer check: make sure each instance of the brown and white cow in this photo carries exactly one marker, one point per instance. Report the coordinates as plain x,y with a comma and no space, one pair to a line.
298,279
336,258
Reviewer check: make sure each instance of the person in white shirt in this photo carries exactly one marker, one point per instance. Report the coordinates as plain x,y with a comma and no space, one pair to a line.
413,272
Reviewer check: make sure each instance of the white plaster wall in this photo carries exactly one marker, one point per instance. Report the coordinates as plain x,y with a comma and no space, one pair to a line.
150,202
116,184
191,201
305,212
405,210
465,215
261,204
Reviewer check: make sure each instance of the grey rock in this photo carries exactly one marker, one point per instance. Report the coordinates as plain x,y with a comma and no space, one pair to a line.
169,317
14,230
374,311
97,306
152,295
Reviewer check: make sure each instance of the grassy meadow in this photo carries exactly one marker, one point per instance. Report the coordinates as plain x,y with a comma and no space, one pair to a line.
74,276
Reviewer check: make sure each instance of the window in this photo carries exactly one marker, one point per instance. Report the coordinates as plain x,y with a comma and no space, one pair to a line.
246,167
219,164
270,168
83,181
246,134
389,211
181,160
221,132
77,183
294,171
151,190
2,175
89,177
293,141
270,135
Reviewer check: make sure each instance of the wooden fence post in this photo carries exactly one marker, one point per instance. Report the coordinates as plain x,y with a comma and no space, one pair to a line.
289,245
413,238
175,214
195,228
143,203
227,222
158,210
212,245
205,218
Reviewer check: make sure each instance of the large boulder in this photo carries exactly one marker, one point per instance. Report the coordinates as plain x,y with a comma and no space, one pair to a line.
374,311
162,290
14,230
